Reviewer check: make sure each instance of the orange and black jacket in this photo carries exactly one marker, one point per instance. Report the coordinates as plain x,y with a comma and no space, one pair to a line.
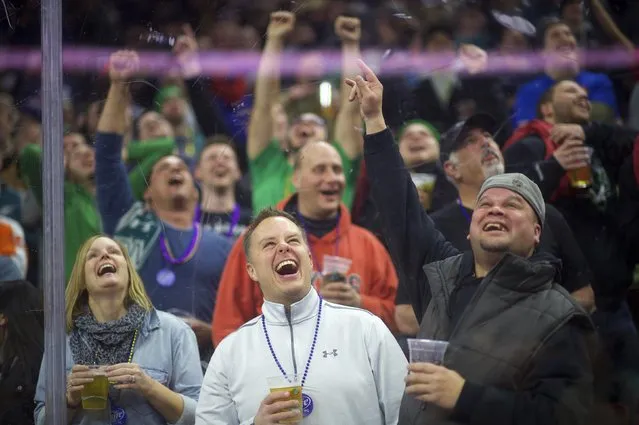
239,299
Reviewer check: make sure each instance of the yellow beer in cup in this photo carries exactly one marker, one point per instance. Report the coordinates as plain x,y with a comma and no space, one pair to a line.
581,178
292,385
95,394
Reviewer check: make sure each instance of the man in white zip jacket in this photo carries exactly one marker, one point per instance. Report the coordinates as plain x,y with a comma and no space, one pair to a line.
351,367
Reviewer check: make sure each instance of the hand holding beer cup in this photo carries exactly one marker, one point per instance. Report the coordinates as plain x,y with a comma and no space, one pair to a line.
79,377
575,157
280,406
129,376
563,132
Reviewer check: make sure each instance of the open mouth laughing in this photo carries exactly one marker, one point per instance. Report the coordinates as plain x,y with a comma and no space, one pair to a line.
288,269
494,227
176,180
106,268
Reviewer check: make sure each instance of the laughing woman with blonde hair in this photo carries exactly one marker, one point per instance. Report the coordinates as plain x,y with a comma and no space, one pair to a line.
150,358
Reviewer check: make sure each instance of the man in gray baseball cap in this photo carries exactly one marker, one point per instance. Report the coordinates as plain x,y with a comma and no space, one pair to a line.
519,347
521,185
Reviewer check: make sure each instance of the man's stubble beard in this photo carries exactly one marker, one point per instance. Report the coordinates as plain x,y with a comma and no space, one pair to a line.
493,170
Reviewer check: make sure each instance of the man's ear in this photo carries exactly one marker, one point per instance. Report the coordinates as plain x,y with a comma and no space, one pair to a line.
452,171
537,231
251,272
547,111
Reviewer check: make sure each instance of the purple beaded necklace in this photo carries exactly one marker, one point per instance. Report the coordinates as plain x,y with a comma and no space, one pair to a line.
306,399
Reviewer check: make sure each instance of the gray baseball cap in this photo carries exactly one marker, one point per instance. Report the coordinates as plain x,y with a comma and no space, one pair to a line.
521,185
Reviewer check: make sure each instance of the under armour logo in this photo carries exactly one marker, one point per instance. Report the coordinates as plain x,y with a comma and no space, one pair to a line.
330,353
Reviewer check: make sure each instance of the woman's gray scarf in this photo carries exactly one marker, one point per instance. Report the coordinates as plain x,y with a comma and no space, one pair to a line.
109,343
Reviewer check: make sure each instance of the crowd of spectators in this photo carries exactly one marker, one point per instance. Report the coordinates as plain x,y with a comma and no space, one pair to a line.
175,166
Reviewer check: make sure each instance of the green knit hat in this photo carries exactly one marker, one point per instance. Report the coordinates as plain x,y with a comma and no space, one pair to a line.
166,93
426,124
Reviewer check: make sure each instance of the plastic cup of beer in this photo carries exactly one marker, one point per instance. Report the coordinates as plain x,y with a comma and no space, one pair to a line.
581,178
95,394
423,181
426,351
291,384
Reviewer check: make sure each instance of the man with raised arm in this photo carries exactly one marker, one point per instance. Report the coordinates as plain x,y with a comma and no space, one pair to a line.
519,346
179,261
271,167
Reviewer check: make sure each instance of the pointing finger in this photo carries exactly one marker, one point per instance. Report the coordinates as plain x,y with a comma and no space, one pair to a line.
368,73
188,30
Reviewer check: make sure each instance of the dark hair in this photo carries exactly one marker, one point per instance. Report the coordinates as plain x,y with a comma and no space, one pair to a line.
544,25
543,100
135,125
21,303
441,28
263,215
218,139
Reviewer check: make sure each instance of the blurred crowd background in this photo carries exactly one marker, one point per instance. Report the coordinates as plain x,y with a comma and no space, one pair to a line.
186,115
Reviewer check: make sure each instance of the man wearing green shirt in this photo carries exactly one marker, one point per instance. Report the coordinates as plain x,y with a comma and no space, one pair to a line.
271,162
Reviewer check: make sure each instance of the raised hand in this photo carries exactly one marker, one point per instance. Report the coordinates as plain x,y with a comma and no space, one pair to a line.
368,91
348,29
185,51
473,58
123,65
280,24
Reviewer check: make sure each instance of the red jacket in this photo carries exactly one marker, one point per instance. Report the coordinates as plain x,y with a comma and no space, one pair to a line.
239,299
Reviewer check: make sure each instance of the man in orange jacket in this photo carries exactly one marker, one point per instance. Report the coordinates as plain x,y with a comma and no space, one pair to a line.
370,282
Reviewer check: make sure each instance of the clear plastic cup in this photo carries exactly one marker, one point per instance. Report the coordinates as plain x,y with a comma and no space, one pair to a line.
335,264
94,395
423,181
291,384
581,178
426,351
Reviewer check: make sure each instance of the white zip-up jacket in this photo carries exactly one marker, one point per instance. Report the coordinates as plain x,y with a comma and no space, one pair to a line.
356,375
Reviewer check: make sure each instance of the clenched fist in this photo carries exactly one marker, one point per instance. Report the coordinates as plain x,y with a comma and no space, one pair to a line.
473,58
280,24
348,29
123,65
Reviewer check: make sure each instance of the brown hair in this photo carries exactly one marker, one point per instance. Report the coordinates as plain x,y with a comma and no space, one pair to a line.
263,215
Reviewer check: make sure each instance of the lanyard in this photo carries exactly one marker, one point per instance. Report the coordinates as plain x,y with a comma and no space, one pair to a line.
310,355
135,338
463,210
118,414
187,254
235,219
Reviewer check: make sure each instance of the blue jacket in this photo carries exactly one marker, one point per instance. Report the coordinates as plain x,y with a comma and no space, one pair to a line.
167,351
